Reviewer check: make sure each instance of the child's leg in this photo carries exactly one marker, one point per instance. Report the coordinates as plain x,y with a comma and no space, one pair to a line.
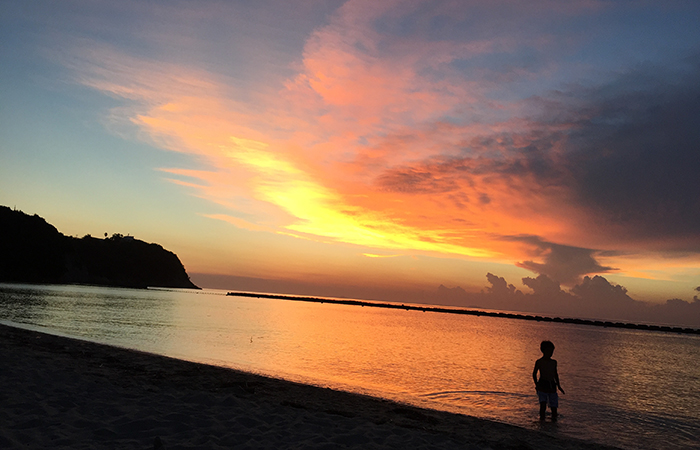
553,405
543,409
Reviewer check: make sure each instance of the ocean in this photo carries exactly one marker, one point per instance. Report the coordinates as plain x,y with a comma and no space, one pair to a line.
635,389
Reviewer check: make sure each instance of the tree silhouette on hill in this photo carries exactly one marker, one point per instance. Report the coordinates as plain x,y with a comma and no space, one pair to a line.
34,251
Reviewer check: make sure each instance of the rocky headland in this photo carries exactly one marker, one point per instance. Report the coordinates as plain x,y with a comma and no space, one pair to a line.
34,251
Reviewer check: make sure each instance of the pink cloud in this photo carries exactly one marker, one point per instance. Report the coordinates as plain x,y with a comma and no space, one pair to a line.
385,136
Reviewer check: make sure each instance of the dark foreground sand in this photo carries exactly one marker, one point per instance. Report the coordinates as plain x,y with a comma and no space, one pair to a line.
63,393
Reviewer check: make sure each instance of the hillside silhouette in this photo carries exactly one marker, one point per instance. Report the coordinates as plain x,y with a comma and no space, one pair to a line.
34,251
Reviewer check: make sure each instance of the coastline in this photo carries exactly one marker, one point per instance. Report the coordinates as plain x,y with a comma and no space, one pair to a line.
61,392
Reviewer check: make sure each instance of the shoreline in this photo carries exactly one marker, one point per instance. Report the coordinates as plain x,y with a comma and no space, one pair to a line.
61,392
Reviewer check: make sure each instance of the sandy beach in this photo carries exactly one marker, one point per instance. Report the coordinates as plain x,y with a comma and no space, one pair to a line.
57,392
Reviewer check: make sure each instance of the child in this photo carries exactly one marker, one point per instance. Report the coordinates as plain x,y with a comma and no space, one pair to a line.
549,380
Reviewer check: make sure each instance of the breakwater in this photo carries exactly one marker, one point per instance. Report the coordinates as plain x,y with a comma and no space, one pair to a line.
471,312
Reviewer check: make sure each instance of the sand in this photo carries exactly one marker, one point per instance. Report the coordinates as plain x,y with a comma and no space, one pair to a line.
58,393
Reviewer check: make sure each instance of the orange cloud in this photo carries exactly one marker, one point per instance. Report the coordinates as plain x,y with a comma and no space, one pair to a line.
377,140
250,175
372,255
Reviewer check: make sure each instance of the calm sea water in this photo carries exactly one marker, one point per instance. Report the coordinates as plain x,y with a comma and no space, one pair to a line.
633,389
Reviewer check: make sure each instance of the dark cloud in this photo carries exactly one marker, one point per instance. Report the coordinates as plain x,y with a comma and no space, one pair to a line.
593,298
451,174
415,181
625,153
562,263
633,157
603,297
628,152
499,286
543,286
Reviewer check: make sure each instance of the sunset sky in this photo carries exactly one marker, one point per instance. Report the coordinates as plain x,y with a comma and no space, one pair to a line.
366,148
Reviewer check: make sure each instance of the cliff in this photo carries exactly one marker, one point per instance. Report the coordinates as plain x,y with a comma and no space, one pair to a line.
34,251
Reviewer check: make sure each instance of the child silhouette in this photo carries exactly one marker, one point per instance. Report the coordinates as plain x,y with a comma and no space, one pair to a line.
548,383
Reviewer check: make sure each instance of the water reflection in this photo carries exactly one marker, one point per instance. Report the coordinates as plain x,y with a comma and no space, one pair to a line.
117,316
620,384
22,304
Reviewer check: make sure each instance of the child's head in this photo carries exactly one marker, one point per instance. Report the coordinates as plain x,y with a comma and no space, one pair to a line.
547,348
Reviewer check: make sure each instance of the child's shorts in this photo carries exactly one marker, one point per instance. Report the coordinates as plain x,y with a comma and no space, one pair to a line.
551,398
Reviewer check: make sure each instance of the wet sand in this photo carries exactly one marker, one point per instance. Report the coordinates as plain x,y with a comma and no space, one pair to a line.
57,392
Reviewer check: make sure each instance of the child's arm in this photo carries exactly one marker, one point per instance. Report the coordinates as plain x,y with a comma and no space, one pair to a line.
534,372
556,379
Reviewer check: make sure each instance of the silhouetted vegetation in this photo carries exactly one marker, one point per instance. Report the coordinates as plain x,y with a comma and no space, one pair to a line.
34,251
